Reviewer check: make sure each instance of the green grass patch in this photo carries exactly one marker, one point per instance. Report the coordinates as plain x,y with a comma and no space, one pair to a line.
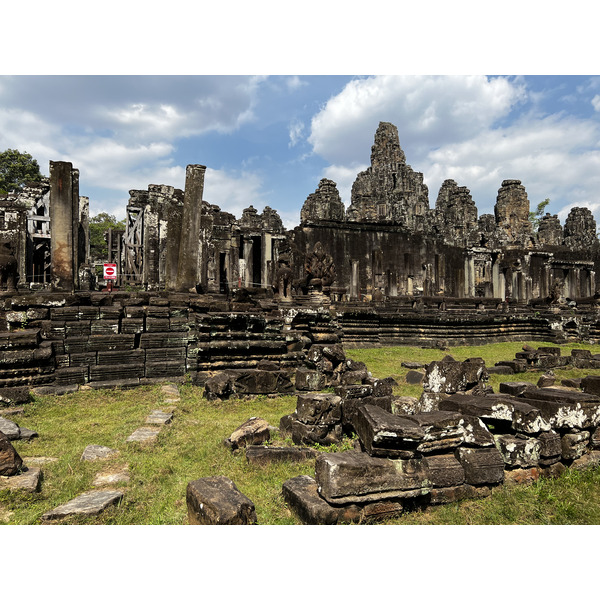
192,447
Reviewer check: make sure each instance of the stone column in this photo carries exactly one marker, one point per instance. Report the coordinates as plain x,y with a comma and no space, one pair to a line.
249,256
63,217
188,271
84,231
173,238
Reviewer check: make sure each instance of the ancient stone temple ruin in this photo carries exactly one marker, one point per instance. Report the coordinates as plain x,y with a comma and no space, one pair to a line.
200,290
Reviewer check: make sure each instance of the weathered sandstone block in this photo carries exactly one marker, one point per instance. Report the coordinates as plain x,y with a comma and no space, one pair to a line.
217,501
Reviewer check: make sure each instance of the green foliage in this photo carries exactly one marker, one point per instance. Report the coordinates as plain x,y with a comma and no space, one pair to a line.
99,225
16,169
536,215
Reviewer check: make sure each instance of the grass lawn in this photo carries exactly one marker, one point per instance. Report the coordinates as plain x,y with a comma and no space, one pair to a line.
192,447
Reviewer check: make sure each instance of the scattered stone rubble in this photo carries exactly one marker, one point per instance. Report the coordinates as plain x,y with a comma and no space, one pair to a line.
470,442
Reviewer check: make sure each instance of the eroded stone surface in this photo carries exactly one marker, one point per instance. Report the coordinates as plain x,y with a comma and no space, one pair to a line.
95,452
254,431
87,504
217,501
357,477
144,434
159,417
27,481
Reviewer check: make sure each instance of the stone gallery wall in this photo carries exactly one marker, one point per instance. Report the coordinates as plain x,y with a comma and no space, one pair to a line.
102,339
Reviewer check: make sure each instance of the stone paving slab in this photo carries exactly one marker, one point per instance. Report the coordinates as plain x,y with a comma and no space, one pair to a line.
95,452
144,434
111,477
9,429
87,504
171,392
28,481
158,417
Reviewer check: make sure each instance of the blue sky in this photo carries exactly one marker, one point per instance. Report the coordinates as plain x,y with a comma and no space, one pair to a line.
268,139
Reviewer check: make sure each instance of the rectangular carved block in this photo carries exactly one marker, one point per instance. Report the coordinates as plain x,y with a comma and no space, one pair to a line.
385,434
481,465
217,501
445,470
357,477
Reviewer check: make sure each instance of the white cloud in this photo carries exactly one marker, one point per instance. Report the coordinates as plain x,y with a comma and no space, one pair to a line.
294,82
296,129
596,102
428,111
233,192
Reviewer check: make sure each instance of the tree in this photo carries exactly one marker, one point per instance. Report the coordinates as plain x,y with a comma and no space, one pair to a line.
536,216
16,169
99,225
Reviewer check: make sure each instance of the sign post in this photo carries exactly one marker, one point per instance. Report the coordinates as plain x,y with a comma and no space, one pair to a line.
110,274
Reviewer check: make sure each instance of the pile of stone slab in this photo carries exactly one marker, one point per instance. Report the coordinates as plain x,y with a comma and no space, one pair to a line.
322,418
449,376
546,357
463,448
266,379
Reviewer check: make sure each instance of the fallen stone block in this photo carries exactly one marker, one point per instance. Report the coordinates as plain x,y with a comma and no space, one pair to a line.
346,392
302,497
516,366
384,434
319,409
550,448
14,396
482,465
591,384
495,408
554,470
353,476
310,380
445,471
475,432
574,382
324,435
217,501
450,376
574,445
95,452
513,388
10,461
354,377
564,409
254,431
457,493
414,377
587,461
546,381
87,504
518,452
266,455
442,430
500,370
